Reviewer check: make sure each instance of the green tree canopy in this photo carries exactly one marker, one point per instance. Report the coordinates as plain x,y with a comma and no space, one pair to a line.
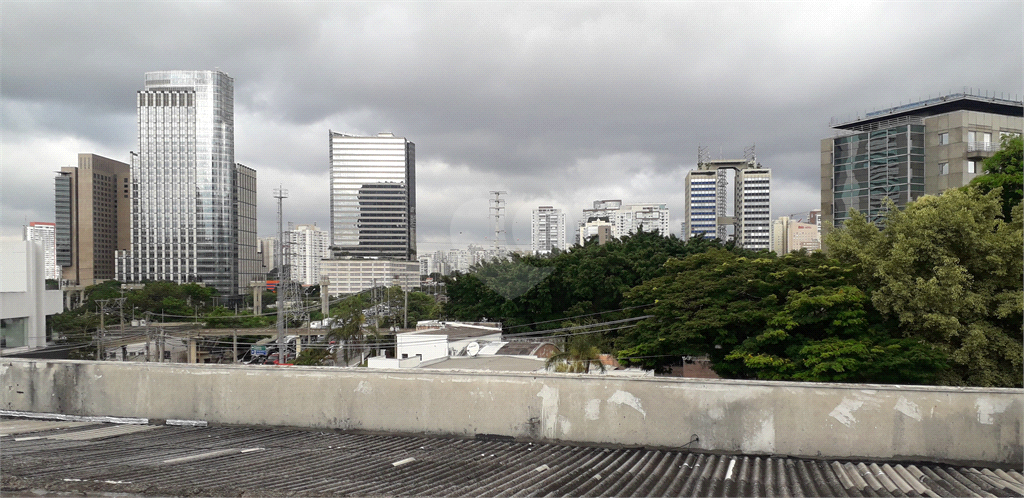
948,269
585,280
795,317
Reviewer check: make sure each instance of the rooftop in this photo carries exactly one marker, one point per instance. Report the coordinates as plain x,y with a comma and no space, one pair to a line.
935,106
456,332
87,456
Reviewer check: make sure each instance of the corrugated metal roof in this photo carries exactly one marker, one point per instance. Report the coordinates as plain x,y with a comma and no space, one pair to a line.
262,461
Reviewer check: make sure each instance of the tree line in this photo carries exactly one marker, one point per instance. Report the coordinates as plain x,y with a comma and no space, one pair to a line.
933,296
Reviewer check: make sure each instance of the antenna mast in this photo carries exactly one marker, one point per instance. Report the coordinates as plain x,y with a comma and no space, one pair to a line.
497,210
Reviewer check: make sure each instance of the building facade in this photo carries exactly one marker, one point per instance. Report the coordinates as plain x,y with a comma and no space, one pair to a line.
547,230
352,275
307,245
250,262
706,202
789,235
649,217
92,210
753,207
373,196
598,227
628,218
24,300
186,189
902,153
701,204
46,234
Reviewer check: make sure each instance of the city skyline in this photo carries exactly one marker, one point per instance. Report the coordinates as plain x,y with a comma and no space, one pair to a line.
555,104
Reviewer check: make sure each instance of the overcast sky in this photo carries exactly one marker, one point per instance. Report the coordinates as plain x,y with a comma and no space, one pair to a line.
557,103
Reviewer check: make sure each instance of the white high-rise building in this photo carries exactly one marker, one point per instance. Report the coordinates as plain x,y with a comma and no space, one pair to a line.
373,196
307,245
187,191
547,230
753,207
45,234
706,201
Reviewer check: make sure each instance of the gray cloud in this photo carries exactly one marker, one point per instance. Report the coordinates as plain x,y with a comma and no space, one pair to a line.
556,103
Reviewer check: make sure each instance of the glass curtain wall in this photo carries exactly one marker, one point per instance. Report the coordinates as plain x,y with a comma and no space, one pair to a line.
183,181
874,166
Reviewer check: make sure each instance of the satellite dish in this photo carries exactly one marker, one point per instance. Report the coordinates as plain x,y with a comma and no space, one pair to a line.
472,349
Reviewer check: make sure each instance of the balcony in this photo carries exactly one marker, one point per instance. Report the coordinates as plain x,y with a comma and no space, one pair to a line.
981,150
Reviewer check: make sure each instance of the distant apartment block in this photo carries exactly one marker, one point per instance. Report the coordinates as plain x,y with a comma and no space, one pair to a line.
649,217
598,227
629,218
45,233
706,202
373,196
793,235
266,249
902,153
307,246
547,230
92,209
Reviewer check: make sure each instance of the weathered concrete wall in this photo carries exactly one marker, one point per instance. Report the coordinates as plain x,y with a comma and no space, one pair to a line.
801,419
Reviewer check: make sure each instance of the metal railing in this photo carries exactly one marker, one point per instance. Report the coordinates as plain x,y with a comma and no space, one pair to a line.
982,146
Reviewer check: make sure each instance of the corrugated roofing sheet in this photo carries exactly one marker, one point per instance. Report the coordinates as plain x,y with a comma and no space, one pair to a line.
260,461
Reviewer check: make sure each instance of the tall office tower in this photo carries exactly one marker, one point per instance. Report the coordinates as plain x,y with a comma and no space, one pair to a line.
547,229
753,207
92,212
908,151
751,218
185,226
250,262
307,245
373,196
701,204
46,234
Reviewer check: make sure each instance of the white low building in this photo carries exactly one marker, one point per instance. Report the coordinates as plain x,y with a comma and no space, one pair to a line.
24,300
352,275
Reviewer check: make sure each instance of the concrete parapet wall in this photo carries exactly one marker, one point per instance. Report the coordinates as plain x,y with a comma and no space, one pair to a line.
802,419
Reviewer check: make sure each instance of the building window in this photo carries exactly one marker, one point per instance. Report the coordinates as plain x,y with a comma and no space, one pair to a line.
943,138
943,168
971,167
986,138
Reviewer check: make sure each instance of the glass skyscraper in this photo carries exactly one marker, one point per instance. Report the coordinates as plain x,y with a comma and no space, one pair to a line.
373,196
184,225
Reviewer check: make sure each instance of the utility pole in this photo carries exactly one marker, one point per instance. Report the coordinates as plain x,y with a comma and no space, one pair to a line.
147,336
234,345
280,194
325,298
99,333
